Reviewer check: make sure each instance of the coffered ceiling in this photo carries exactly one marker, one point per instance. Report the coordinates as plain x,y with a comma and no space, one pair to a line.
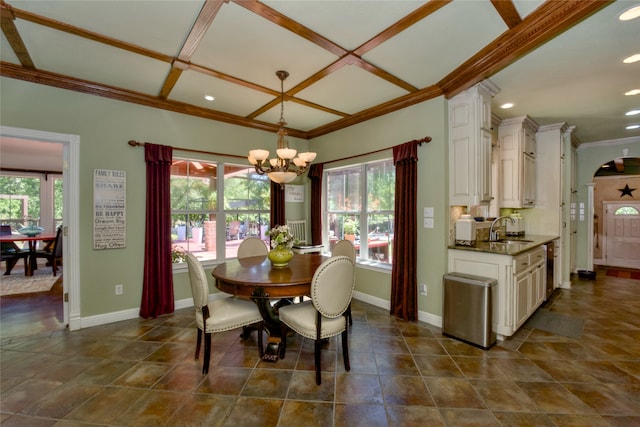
349,61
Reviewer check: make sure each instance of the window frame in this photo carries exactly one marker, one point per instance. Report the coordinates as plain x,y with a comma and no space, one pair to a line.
363,212
219,211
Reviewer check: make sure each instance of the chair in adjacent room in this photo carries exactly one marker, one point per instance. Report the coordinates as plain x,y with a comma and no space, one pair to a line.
53,256
252,246
299,230
345,248
221,315
11,253
324,316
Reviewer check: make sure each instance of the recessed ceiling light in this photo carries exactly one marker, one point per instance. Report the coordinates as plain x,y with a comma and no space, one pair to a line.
632,92
506,105
629,14
633,127
632,113
631,59
209,97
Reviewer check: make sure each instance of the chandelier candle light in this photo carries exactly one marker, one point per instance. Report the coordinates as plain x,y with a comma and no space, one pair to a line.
286,166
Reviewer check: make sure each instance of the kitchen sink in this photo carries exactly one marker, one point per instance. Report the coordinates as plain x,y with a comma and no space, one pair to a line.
511,242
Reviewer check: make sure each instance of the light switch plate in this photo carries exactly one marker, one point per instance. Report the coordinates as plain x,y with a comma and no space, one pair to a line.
428,212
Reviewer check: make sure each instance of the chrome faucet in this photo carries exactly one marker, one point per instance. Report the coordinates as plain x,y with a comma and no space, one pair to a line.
494,236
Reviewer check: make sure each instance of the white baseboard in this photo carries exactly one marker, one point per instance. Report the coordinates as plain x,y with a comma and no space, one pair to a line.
133,313
423,316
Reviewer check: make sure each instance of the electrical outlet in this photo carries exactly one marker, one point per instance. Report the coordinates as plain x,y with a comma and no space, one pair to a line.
423,289
119,289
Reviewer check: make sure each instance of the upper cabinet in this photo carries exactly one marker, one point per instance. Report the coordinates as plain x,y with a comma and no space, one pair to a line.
517,144
470,145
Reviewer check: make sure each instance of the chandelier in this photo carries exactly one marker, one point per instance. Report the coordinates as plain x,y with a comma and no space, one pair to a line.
285,167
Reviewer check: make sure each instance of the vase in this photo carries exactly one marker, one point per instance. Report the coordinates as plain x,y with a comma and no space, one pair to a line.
280,256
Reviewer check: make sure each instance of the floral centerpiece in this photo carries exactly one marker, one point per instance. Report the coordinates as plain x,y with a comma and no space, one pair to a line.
282,240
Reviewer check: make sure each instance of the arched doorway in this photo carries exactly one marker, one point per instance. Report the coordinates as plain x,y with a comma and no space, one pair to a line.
616,222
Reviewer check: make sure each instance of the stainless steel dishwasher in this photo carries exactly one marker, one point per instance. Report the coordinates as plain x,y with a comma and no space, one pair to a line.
468,308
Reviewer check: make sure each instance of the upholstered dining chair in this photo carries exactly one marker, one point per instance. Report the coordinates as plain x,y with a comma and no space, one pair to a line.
324,315
346,248
221,315
252,246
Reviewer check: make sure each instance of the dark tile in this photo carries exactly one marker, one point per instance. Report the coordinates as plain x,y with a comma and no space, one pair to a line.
469,418
152,408
360,415
101,408
254,411
308,414
396,364
454,393
358,388
203,410
143,375
303,387
404,390
268,383
59,402
414,416
223,380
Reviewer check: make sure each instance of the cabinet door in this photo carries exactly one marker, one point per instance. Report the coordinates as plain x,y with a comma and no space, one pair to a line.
529,180
522,305
484,166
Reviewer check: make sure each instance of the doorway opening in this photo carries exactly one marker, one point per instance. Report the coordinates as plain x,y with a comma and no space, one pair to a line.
65,312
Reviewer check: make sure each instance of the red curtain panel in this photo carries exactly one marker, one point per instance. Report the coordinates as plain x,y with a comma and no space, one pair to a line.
315,175
157,288
404,289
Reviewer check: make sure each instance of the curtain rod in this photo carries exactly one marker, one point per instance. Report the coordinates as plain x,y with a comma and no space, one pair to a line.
190,150
424,140
421,141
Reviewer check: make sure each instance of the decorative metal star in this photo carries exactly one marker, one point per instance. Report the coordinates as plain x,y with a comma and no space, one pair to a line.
626,191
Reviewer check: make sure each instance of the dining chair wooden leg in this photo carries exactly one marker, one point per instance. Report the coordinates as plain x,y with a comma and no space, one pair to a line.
345,351
317,357
198,341
349,318
207,353
284,330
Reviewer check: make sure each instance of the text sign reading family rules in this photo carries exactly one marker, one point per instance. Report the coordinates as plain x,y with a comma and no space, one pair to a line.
109,208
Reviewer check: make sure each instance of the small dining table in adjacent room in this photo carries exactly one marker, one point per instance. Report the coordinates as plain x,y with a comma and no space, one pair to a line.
32,241
255,278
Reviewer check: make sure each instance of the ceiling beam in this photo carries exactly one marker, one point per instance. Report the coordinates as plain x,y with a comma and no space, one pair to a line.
543,24
64,82
199,29
13,36
507,12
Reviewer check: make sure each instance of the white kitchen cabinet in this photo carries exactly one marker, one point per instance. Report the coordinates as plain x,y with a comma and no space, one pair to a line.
520,287
517,143
555,160
470,145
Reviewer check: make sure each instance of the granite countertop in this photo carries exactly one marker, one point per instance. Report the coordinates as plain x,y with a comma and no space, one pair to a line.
509,245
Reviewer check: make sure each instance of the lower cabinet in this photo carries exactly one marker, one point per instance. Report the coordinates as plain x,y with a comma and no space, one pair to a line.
521,283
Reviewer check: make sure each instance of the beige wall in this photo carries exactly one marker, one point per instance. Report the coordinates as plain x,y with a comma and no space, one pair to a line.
105,126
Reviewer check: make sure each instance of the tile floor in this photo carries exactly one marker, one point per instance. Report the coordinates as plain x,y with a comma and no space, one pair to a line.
142,373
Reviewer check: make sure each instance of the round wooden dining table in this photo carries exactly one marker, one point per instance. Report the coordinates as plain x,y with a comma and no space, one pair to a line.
256,278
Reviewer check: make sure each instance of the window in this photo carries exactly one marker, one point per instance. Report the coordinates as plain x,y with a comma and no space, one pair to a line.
626,210
361,197
31,198
194,206
247,206
202,224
